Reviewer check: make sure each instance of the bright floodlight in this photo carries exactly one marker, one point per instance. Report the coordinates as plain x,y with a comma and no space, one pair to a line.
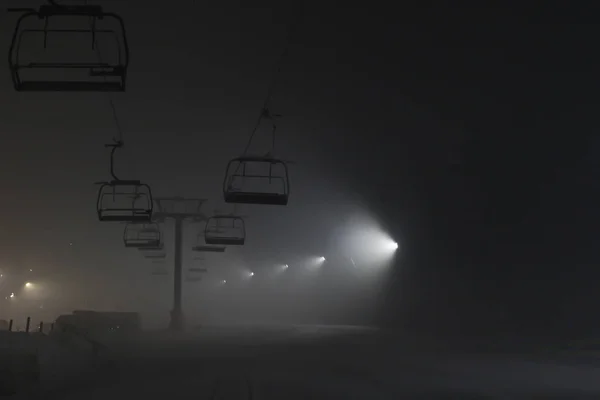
281,268
366,244
316,262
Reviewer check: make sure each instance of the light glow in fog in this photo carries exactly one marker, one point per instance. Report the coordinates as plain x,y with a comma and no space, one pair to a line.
365,244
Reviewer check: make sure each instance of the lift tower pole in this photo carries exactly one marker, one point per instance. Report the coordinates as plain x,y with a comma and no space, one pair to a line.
179,209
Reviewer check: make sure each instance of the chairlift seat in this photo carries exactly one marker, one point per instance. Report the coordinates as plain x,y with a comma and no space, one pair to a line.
209,249
275,199
33,76
240,186
124,217
124,201
225,241
156,256
67,86
141,243
225,230
158,247
142,236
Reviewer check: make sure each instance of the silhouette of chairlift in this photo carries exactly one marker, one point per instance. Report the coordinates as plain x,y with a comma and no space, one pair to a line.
159,268
256,180
194,274
142,235
124,200
203,248
157,253
153,254
225,230
101,76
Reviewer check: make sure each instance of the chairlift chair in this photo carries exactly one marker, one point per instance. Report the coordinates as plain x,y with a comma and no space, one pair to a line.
124,200
225,230
159,270
149,249
202,248
256,180
142,235
156,256
51,71
194,274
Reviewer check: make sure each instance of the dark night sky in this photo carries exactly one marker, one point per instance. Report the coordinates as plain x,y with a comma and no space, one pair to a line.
469,131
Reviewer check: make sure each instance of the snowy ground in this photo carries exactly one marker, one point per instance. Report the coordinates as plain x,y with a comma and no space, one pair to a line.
313,362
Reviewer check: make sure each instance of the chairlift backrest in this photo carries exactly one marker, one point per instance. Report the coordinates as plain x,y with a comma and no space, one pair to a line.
125,201
99,71
225,230
142,235
256,180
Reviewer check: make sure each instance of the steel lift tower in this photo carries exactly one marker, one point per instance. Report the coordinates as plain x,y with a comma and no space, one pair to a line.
179,209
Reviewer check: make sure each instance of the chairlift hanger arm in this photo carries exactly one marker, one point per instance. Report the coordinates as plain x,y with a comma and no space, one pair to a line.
116,145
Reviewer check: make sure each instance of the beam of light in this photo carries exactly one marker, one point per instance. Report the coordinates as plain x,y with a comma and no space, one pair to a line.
366,244
316,262
279,269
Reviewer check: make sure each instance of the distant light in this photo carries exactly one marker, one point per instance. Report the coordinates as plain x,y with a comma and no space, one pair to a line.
30,270
251,273
28,284
315,262
285,266
224,281
12,295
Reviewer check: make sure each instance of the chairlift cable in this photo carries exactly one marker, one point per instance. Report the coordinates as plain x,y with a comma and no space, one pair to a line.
264,111
110,99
